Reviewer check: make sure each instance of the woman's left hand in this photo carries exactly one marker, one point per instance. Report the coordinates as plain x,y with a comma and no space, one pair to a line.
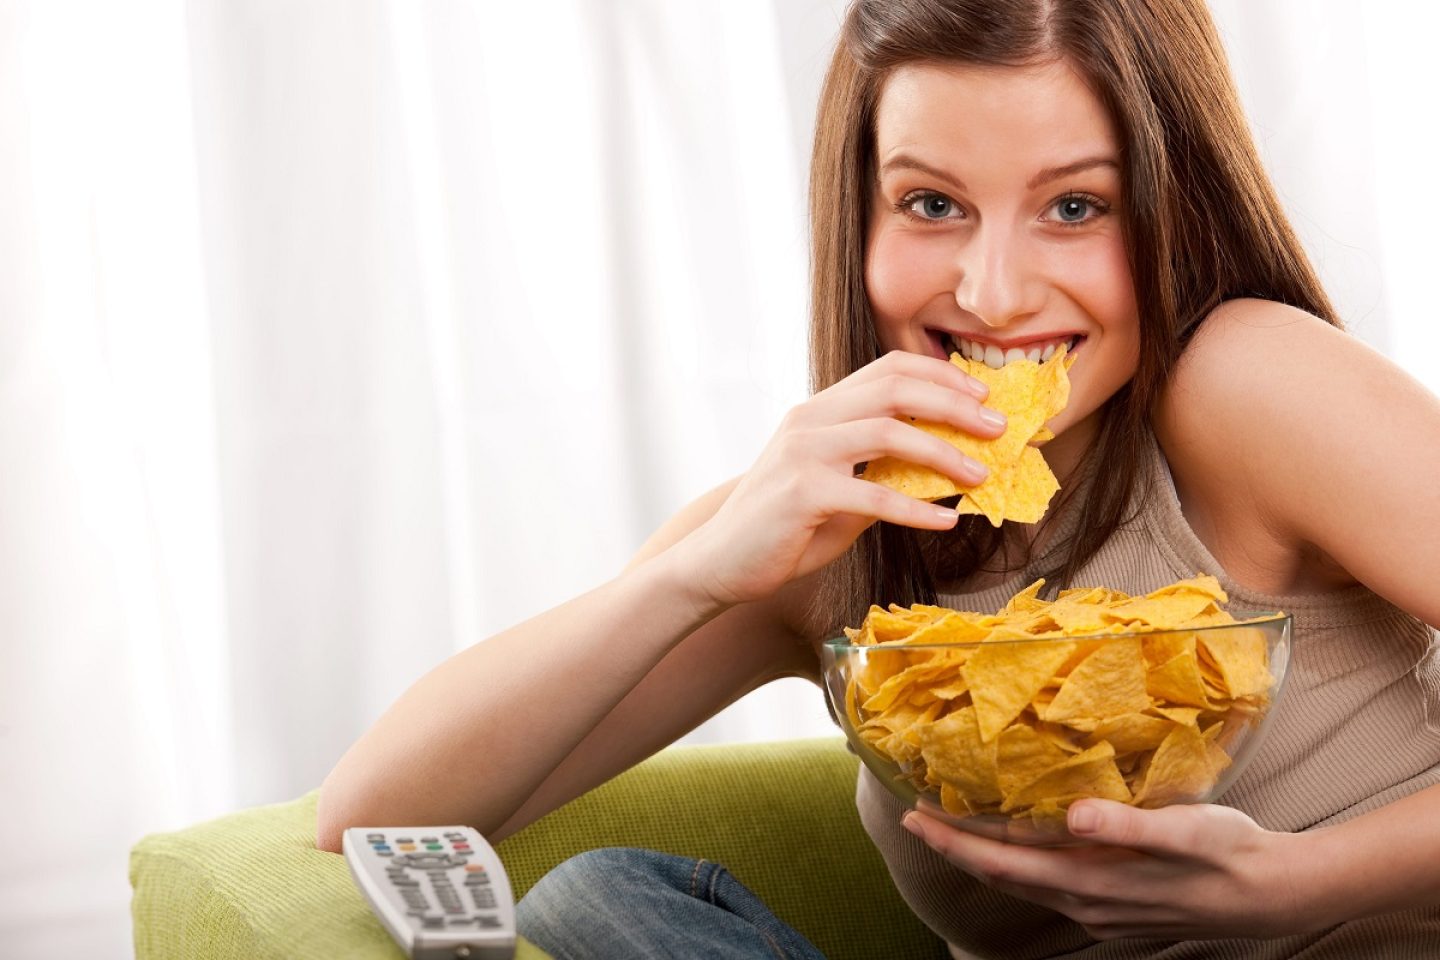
1191,871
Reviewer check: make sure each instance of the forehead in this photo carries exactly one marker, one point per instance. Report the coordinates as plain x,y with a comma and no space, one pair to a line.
1045,111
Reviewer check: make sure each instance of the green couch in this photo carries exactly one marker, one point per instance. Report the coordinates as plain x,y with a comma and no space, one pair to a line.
780,816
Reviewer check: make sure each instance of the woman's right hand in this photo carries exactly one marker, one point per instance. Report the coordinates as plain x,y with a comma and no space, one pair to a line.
801,504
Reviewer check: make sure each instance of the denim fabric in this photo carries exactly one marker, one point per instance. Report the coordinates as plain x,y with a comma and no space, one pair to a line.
623,903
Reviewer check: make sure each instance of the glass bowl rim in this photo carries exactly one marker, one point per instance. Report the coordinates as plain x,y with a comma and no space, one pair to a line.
1253,619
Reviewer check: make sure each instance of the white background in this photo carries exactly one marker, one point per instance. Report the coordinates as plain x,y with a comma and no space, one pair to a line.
336,337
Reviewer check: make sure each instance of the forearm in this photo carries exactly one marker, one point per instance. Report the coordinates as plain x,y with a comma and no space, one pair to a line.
471,740
1385,861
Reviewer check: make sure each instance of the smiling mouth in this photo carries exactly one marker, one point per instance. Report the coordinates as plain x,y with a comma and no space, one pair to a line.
996,358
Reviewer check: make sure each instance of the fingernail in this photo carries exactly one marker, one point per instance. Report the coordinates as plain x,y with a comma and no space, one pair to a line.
1084,820
993,417
976,469
911,822
978,388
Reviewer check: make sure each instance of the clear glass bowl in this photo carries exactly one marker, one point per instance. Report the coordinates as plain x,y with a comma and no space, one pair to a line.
903,741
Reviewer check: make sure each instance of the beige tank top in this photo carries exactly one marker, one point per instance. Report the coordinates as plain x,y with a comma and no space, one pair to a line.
1359,727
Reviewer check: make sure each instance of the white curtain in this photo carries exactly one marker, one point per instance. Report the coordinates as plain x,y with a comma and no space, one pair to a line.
335,338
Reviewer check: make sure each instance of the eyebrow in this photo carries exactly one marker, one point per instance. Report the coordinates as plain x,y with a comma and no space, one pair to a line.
907,162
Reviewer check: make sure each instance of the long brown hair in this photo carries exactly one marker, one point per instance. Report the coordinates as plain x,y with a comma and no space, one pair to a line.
1202,225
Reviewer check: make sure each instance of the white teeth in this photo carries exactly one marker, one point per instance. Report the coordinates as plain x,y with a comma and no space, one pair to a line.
993,356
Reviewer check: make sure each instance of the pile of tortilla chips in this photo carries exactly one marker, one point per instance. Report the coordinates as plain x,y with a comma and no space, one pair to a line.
1020,484
1025,729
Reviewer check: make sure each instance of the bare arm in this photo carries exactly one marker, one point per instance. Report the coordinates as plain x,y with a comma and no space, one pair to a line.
504,718
1344,457
511,728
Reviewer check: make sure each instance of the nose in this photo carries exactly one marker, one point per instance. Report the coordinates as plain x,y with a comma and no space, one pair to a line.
994,284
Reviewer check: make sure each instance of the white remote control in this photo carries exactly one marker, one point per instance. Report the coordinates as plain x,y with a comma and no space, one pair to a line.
440,891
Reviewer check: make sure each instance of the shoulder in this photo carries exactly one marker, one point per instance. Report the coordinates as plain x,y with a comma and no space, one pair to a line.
1333,443
1242,339
1269,384
1243,393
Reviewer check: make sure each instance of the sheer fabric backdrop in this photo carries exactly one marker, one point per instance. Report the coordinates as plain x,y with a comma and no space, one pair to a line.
336,338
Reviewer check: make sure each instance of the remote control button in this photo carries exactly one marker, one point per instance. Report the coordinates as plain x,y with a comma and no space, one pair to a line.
407,846
429,840
475,868
375,836
381,846
404,840
384,853
428,861
434,846
459,845
490,923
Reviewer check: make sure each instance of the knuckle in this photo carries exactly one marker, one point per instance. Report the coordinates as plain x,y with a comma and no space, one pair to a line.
994,870
888,503
796,416
1191,830
892,391
875,498
789,442
1093,891
891,431
878,433
1132,832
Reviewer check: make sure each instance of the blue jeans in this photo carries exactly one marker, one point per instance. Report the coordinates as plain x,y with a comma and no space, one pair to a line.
622,903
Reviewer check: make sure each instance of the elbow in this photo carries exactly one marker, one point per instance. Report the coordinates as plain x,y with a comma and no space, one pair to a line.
330,821
327,837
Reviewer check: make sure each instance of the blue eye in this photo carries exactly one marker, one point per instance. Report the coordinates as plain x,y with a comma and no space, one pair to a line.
1072,208
932,200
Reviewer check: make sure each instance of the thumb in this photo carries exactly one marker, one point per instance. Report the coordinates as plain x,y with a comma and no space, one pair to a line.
1169,830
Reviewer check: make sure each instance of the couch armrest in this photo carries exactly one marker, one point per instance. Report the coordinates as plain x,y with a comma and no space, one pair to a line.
252,886
780,816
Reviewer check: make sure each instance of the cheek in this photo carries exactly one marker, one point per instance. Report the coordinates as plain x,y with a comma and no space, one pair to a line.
900,276
1118,290
1107,292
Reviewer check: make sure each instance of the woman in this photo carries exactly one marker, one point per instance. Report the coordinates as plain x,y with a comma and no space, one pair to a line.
996,177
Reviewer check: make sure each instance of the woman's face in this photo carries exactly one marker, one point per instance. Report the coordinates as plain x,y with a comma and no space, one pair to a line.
993,249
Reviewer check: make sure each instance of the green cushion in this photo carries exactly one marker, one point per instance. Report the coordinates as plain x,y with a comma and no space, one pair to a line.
780,816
